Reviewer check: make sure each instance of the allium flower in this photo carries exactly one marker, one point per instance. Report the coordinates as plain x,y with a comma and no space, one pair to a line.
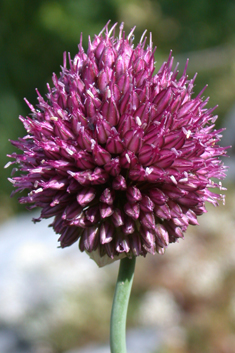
120,156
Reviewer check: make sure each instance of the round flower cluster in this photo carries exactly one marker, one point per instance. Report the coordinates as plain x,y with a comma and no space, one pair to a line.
122,157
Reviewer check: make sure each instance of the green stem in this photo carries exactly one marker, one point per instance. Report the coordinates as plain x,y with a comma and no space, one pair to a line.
120,305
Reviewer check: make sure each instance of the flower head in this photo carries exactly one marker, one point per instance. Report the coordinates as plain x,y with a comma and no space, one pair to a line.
121,157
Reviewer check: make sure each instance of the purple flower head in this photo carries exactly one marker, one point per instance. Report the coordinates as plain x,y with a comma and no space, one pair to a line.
121,157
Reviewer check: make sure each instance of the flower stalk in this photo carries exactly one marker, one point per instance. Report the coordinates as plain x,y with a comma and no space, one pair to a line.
120,305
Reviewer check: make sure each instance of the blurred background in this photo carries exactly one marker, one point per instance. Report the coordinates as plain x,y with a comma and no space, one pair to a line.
54,301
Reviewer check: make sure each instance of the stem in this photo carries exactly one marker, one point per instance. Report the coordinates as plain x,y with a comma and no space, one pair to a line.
120,305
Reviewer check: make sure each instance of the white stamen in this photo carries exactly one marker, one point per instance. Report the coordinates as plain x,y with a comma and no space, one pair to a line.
128,158
148,170
71,173
69,151
37,170
138,121
177,153
8,164
142,37
93,142
131,33
112,29
108,93
36,183
188,134
90,93
38,190
60,113
173,179
54,118
184,180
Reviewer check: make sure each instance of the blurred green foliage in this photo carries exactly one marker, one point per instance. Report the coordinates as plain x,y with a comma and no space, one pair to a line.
201,24
34,35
